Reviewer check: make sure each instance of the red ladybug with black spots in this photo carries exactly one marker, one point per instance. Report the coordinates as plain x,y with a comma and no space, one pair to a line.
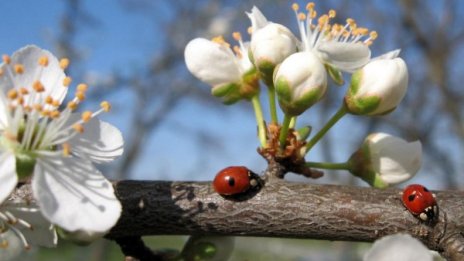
420,202
234,180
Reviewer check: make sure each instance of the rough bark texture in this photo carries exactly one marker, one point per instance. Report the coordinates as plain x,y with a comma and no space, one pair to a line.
284,209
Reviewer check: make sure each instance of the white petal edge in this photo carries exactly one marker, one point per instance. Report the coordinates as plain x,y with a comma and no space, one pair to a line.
398,247
100,142
74,195
258,20
346,57
8,177
51,76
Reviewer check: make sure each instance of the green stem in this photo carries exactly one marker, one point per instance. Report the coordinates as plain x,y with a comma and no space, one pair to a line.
329,165
272,103
336,117
284,131
292,122
259,120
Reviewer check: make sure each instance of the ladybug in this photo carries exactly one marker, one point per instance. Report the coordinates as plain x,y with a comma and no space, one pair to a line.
234,180
420,202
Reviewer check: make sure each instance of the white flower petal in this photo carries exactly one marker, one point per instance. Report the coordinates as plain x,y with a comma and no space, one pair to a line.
398,247
51,76
42,233
211,62
100,142
395,159
74,195
258,20
8,177
344,56
388,55
3,111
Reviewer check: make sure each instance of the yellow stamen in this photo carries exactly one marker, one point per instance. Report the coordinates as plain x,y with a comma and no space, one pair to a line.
66,149
1,71
64,63
301,16
237,36
310,6
38,87
20,100
45,113
72,105
332,13
19,68
6,59
250,30
86,116
38,107
55,114
23,91
67,81
12,94
78,127
82,87
220,40
48,100
237,51
43,61
295,7
373,35
106,106
80,95
27,108
56,103
313,14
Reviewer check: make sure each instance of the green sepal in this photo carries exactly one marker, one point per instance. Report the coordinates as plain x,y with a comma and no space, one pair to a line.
291,106
250,84
361,167
362,106
335,74
266,70
223,90
304,132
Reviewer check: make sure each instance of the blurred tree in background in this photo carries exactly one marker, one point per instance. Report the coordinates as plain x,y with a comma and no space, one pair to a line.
174,129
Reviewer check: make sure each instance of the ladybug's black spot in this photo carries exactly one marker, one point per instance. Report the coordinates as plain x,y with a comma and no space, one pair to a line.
231,181
411,197
426,190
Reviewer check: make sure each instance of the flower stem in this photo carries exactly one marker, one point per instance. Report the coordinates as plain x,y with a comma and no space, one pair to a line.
292,122
259,120
335,118
272,103
329,165
284,131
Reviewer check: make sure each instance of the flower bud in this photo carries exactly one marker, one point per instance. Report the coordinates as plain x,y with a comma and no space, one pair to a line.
211,62
270,45
385,160
233,77
300,81
378,87
212,248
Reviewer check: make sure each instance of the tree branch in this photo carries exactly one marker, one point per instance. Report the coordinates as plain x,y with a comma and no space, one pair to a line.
285,209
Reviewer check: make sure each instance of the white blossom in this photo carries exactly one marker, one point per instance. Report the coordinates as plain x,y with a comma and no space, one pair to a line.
55,148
